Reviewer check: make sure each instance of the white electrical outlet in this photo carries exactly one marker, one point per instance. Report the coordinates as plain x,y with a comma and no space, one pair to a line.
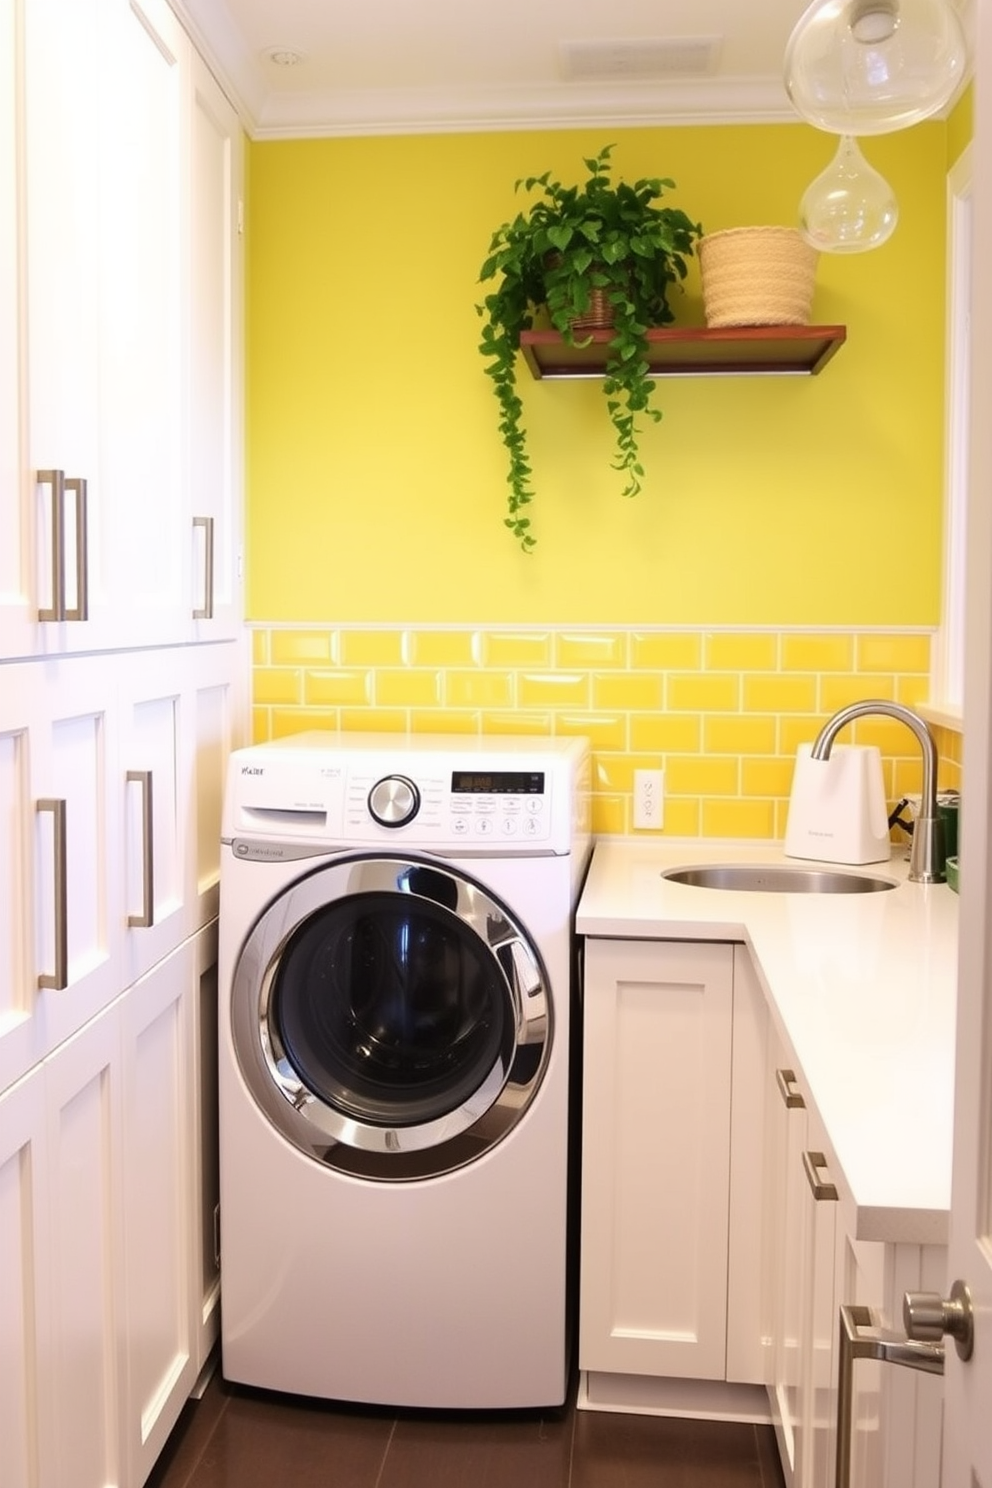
649,798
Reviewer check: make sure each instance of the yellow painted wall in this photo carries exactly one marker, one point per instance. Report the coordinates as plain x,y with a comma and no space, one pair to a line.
376,478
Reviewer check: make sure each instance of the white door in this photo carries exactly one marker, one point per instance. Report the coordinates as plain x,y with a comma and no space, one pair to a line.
967,1459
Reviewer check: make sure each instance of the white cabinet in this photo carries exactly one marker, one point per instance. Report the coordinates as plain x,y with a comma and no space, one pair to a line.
26,1423
120,340
169,1302
672,1067
213,380
108,1297
815,1264
111,779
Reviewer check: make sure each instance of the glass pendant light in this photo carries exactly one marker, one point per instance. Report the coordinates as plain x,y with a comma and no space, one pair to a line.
872,66
849,208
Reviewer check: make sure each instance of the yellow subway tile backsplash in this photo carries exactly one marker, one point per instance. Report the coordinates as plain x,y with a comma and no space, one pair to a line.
299,647
286,721
533,650
722,712
412,688
675,651
726,651
370,648
738,818
766,692
632,691
609,815
479,689
703,693
437,648
582,650
323,689
443,721
659,733
701,775
533,723
893,653
739,733
374,720
603,730
553,690
277,685
767,777
682,817
818,653
837,692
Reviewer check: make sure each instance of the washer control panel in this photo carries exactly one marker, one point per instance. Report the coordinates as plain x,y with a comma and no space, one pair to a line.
476,796
469,805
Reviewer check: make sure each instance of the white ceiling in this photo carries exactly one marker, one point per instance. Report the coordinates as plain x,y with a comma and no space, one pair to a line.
409,66
391,66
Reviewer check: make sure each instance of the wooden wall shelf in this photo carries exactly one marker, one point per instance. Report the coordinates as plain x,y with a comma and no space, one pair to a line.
738,350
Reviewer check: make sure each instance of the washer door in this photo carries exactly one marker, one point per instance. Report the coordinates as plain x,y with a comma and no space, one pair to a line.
390,1017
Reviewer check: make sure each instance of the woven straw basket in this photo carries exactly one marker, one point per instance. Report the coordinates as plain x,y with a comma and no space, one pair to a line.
755,276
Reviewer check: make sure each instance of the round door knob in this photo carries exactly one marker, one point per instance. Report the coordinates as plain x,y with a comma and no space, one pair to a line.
928,1317
394,801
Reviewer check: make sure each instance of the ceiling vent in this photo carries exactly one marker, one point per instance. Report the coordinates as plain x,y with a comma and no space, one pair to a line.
643,58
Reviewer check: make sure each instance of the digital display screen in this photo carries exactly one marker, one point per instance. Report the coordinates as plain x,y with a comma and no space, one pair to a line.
497,782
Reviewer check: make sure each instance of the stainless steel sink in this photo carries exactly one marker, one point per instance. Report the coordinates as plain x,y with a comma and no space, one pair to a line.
757,878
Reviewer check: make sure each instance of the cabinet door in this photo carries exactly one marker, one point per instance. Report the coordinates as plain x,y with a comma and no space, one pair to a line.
214,367
656,1158
158,815
217,678
206,1197
85,1367
161,1202
138,546
26,1420
786,1210
817,1407
746,1333
21,1033
17,623
77,889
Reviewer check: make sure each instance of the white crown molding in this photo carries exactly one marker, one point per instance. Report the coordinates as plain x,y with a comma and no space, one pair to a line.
562,106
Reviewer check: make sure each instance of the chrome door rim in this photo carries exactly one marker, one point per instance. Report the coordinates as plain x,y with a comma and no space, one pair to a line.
337,1139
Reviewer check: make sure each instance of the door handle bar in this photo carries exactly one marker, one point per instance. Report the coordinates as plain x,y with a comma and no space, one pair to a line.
207,612
146,918
59,978
888,1348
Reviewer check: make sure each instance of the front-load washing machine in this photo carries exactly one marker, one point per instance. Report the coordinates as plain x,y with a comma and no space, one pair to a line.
397,961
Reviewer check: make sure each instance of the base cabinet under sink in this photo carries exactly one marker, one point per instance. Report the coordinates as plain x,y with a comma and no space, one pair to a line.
718,1238
674,1037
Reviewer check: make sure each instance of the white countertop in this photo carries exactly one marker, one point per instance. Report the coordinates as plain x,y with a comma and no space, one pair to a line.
863,985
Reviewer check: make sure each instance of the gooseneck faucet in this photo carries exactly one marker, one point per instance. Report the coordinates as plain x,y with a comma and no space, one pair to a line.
927,856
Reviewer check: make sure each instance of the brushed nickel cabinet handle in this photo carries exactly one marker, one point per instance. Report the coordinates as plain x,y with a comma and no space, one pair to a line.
59,979
77,485
813,1162
55,479
146,918
207,612
786,1081
887,1347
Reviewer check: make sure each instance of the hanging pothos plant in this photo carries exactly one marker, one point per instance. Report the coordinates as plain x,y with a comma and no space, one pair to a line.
603,237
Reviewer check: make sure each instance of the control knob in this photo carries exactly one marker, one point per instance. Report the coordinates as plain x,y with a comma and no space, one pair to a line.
394,800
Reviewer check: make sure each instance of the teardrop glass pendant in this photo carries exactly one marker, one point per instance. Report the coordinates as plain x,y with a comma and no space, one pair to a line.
849,207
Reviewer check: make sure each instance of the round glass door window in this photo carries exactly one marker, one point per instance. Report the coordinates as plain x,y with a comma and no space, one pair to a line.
390,1017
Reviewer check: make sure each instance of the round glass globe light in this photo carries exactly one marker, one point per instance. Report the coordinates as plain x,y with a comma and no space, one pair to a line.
856,67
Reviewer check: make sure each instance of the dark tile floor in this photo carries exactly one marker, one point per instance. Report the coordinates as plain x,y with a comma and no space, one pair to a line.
239,1438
